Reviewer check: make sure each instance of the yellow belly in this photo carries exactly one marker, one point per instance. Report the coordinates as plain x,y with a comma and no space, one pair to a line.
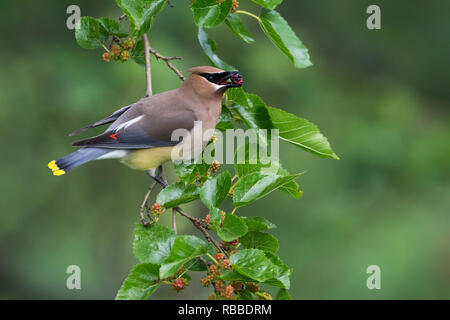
146,159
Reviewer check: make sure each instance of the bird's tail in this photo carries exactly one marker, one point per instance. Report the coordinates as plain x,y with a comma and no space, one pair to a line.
75,159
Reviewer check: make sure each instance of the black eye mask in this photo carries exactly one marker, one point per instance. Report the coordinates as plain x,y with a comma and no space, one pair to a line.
227,78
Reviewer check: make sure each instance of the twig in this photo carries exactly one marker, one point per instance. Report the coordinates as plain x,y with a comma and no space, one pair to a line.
122,17
174,220
144,204
167,61
200,226
148,74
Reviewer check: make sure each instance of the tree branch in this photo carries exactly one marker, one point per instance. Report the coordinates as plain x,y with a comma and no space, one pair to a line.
167,61
174,219
148,74
144,204
199,224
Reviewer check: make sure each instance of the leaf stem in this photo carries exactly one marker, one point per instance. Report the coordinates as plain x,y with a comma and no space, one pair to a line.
232,212
248,14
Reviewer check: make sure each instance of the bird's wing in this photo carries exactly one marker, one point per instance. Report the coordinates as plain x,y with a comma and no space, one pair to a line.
111,118
143,131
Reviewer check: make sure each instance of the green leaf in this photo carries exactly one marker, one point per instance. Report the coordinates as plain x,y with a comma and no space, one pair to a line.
210,13
187,172
113,27
258,223
234,22
245,294
215,215
250,108
232,228
281,278
269,4
209,47
283,294
281,34
260,240
138,53
254,264
184,249
256,185
195,265
230,275
90,35
248,160
140,283
301,133
225,120
215,190
141,13
152,244
293,189
176,194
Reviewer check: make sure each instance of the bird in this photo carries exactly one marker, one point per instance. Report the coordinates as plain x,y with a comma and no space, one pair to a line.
140,134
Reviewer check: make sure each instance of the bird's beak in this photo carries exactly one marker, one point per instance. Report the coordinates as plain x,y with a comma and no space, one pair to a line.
231,79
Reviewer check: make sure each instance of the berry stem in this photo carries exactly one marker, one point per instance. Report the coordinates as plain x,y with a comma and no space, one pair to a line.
212,258
106,49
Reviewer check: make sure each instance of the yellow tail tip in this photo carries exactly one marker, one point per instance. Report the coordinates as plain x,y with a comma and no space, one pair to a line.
58,172
53,166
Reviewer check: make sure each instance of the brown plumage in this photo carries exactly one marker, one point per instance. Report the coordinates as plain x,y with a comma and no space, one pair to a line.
140,134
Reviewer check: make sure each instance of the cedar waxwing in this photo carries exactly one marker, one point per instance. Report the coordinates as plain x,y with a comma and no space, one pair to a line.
140,134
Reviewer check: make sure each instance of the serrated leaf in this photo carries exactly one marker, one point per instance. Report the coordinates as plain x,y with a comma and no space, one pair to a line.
225,120
176,194
234,22
260,240
113,27
301,133
258,223
293,189
248,160
195,265
209,48
283,273
141,13
138,53
281,34
251,108
140,283
188,172
152,244
90,35
210,13
245,294
256,185
230,275
283,294
184,249
269,4
254,264
232,228
215,190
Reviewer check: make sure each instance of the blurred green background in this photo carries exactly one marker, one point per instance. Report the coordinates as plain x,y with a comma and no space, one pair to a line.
380,96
